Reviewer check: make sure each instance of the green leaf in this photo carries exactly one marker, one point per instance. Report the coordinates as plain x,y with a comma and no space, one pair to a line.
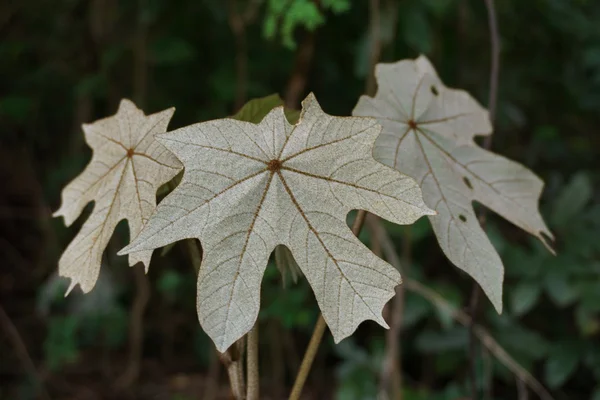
561,364
560,289
416,308
572,199
337,6
587,320
256,109
524,297
60,345
523,344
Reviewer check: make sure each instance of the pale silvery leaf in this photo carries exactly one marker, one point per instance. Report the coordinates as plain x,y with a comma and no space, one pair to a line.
250,187
428,132
128,166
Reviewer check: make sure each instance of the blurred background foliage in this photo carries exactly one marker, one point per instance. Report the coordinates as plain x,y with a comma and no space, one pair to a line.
66,62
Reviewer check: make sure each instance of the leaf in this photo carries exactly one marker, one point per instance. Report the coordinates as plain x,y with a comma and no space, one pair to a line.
248,188
428,133
525,296
571,200
562,362
559,288
256,109
126,169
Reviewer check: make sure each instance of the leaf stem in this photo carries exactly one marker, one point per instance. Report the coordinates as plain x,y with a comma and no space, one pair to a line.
309,357
317,335
487,144
232,360
252,371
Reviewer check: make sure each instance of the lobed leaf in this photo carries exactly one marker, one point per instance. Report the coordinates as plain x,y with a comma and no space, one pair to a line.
127,167
250,187
428,133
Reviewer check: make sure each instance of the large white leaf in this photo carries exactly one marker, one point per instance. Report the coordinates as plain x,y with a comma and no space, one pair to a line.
428,132
127,167
250,187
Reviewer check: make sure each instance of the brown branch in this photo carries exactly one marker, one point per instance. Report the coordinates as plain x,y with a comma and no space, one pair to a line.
375,28
142,284
21,350
136,329
487,144
391,376
211,390
232,359
238,22
297,83
495,65
522,393
252,363
463,318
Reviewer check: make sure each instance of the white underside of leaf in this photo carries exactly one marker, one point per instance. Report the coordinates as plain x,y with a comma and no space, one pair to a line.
241,209
121,182
428,133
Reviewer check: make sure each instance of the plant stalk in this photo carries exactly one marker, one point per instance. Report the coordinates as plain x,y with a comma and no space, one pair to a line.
317,335
487,144
252,371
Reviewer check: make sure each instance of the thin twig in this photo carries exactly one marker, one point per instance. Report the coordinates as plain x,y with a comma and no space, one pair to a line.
297,83
13,334
495,64
253,380
233,361
473,308
375,25
238,23
212,385
487,144
136,329
309,357
391,376
522,393
315,340
142,285
463,318
232,358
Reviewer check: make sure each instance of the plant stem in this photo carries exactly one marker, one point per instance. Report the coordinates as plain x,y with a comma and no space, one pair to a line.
309,357
232,360
317,335
375,32
391,377
487,144
252,371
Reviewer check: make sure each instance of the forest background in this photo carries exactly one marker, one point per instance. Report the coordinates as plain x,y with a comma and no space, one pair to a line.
67,62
